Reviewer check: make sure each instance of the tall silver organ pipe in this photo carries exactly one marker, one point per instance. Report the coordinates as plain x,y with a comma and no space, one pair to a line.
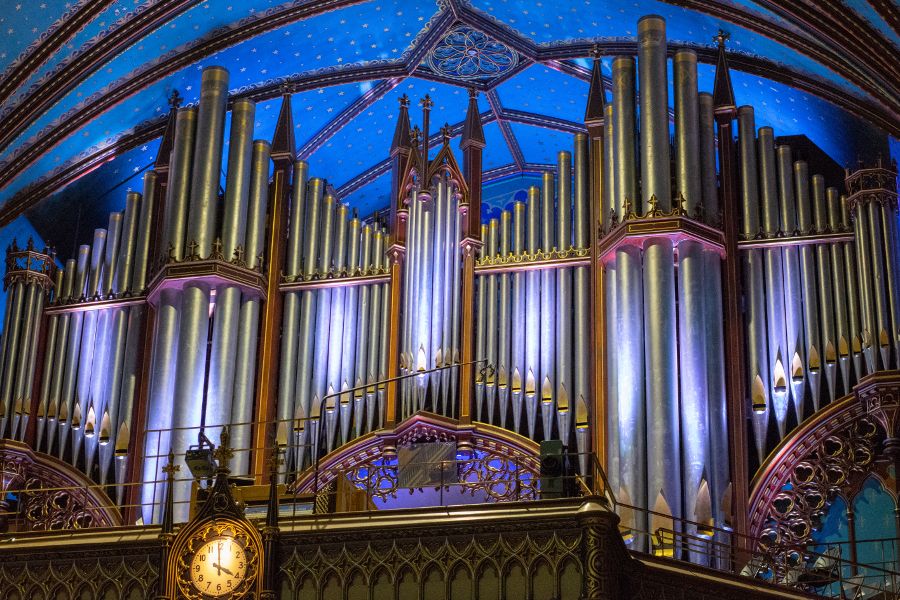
623,133
826,289
811,367
841,291
531,375
564,298
179,189
581,319
201,228
545,385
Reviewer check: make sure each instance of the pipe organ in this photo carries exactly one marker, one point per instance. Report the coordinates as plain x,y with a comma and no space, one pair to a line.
155,329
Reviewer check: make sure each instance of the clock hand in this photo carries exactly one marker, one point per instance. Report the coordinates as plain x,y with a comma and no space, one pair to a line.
220,559
221,568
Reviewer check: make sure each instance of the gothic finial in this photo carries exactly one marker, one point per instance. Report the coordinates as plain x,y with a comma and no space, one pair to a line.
721,37
595,51
171,468
224,452
175,100
404,101
473,93
446,133
416,136
426,103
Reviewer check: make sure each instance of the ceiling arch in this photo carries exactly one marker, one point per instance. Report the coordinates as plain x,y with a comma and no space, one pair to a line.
90,82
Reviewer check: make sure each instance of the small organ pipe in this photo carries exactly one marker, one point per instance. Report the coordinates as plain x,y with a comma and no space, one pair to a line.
114,233
179,189
854,319
533,330
125,256
437,284
623,76
73,349
888,246
59,358
882,336
687,133
21,402
237,183
94,290
142,239
481,331
812,369
564,299
363,359
258,200
836,256
53,322
548,310
518,329
869,316
504,372
753,263
450,303
375,332
336,325
793,300
491,324
779,360
826,291
207,160
118,337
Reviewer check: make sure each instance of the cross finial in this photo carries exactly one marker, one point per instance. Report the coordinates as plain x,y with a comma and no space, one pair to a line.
473,93
446,133
171,468
416,136
595,51
224,452
175,99
193,246
404,101
721,37
426,103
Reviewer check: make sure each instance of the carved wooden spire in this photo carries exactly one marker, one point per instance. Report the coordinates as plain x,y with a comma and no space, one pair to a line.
723,93
401,139
594,111
472,133
283,146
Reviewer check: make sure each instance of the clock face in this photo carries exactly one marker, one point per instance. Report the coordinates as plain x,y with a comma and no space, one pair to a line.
219,567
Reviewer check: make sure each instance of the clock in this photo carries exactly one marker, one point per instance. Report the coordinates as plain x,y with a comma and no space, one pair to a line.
219,567
219,560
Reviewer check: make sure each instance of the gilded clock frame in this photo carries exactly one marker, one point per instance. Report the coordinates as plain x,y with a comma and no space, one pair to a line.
243,533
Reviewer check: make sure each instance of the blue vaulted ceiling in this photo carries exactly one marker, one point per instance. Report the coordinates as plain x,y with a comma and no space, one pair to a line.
86,83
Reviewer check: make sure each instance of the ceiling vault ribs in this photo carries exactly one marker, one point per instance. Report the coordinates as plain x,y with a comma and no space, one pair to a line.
83,65
69,25
842,28
889,11
321,137
811,47
172,64
511,142
754,65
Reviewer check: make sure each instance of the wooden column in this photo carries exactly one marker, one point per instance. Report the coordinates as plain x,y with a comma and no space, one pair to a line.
726,111
472,145
594,120
402,163
270,330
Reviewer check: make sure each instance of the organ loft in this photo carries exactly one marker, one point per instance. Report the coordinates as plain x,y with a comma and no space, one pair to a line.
464,300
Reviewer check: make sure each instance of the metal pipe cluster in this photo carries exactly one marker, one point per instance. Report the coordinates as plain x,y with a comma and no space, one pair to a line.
806,304
87,393
333,334
204,356
533,325
665,360
431,300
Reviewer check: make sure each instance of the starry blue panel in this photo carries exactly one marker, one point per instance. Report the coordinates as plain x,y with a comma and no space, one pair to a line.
541,145
23,22
374,196
366,140
542,90
864,8
792,112
548,22
320,42
107,21
499,195
496,152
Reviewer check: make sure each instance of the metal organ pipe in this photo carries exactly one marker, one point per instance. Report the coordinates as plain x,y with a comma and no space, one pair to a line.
518,329
692,278
503,312
660,341
179,189
207,159
73,350
826,299
481,333
142,243
491,322
811,369
623,77
545,386
854,297
237,184
793,301
248,320
564,298
531,376
841,301
581,322
612,310
779,356
753,266
882,277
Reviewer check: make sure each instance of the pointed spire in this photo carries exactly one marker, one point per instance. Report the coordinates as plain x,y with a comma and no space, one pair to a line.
472,133
595,109
401,133
723,93
283,140
168,138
